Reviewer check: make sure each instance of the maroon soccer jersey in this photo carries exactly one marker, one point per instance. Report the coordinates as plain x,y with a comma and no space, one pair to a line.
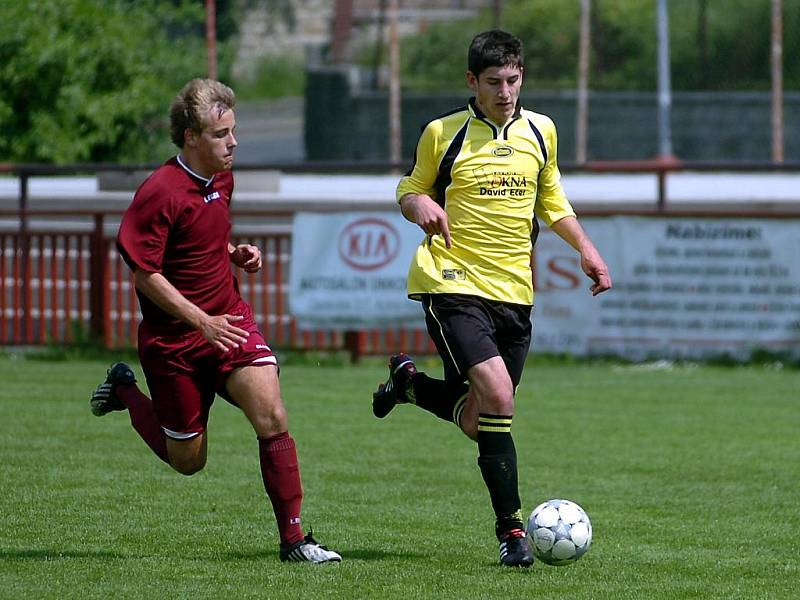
179,225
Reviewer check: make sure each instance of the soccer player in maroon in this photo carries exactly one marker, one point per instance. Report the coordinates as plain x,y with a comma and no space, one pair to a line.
198,337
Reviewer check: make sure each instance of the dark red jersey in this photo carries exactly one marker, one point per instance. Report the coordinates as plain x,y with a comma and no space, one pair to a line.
179,225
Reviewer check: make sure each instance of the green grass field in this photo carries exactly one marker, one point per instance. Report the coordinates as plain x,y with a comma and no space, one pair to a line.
690,476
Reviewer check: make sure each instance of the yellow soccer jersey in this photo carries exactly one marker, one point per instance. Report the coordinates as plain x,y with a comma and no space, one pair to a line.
491,182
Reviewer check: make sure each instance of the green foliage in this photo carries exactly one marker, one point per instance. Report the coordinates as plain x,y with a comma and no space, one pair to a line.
736,51
437,58
272,77
734,55
91,80
623,45
550,37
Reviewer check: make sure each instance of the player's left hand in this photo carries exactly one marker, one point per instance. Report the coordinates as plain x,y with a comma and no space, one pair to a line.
247,257
596,269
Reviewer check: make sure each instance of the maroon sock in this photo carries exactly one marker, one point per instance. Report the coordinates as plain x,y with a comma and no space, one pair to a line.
143,418
281,475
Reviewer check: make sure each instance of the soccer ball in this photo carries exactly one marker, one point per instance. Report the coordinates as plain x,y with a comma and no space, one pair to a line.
559,531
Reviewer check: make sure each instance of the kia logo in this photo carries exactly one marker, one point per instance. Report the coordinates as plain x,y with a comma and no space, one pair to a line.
369,244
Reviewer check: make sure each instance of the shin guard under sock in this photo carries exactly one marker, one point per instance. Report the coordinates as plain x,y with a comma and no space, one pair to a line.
143,418
281,474
497,459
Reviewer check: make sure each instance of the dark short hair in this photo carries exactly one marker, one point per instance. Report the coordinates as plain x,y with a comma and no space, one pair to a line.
494,48
188,110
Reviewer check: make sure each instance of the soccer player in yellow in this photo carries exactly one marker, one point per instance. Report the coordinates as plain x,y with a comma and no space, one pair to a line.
482,176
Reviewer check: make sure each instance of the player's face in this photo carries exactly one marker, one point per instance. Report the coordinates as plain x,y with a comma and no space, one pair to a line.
214,145
496,91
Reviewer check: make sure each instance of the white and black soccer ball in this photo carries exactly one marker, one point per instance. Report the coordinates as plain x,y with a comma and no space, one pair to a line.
559,532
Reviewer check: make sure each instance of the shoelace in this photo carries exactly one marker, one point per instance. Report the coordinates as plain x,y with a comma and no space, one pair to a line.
310,539
514,534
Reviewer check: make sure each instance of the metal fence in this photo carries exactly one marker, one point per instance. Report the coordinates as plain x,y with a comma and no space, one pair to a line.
62,285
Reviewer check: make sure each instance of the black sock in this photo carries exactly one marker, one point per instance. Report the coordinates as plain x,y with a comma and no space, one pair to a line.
497,459
436,396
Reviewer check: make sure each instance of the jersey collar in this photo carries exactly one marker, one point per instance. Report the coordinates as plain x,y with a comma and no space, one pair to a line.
477,113
206,180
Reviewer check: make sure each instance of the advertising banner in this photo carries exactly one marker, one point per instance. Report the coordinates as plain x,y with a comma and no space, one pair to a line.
348,270
683,287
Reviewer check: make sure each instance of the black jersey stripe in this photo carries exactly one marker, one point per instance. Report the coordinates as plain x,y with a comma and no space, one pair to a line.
534,221
482,117
539,137
506,128
413,164
425,124
445,176
442,116
534,230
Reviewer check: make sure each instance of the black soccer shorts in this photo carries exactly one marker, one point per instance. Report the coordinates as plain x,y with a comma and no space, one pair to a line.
468,330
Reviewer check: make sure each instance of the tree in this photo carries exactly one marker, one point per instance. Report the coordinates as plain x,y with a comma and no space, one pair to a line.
91,80
733,52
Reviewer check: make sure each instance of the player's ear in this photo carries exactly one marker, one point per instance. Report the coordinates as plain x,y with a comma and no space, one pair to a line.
190,137
472,81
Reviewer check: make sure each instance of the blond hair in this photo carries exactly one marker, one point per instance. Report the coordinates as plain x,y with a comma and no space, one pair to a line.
193,102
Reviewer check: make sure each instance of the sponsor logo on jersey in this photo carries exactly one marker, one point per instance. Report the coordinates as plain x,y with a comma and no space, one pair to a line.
501,183
454,274
211,197
502,151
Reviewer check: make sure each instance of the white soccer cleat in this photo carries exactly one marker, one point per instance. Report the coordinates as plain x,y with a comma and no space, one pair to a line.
309,550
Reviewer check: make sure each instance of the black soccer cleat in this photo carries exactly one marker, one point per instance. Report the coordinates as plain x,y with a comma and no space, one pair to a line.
104,399
397,389
308,550
514,550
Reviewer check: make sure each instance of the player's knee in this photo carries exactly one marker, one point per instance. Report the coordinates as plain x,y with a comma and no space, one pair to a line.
188,465
497,402
271,420
470,430
187,458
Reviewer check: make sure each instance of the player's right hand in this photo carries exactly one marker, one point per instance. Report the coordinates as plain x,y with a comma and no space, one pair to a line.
428,215
220,332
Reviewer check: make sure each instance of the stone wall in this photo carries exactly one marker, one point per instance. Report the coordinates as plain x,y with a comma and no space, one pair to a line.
303,28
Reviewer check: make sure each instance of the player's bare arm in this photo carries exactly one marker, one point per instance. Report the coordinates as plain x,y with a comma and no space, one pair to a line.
592,263
245,257
219,331
427,214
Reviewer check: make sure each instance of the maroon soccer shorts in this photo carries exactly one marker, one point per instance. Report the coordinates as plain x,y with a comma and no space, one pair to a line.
184,372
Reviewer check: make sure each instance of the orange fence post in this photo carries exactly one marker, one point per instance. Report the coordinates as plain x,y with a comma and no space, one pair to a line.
98,290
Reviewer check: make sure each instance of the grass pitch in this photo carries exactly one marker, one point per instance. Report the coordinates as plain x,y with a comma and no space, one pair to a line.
689,474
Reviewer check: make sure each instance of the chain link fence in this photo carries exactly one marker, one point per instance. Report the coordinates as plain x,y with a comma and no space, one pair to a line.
734,79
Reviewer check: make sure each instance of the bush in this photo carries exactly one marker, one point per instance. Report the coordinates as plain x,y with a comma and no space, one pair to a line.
272,77
91,80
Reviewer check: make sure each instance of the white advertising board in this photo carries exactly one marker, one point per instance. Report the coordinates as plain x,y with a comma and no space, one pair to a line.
682,288
348,270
